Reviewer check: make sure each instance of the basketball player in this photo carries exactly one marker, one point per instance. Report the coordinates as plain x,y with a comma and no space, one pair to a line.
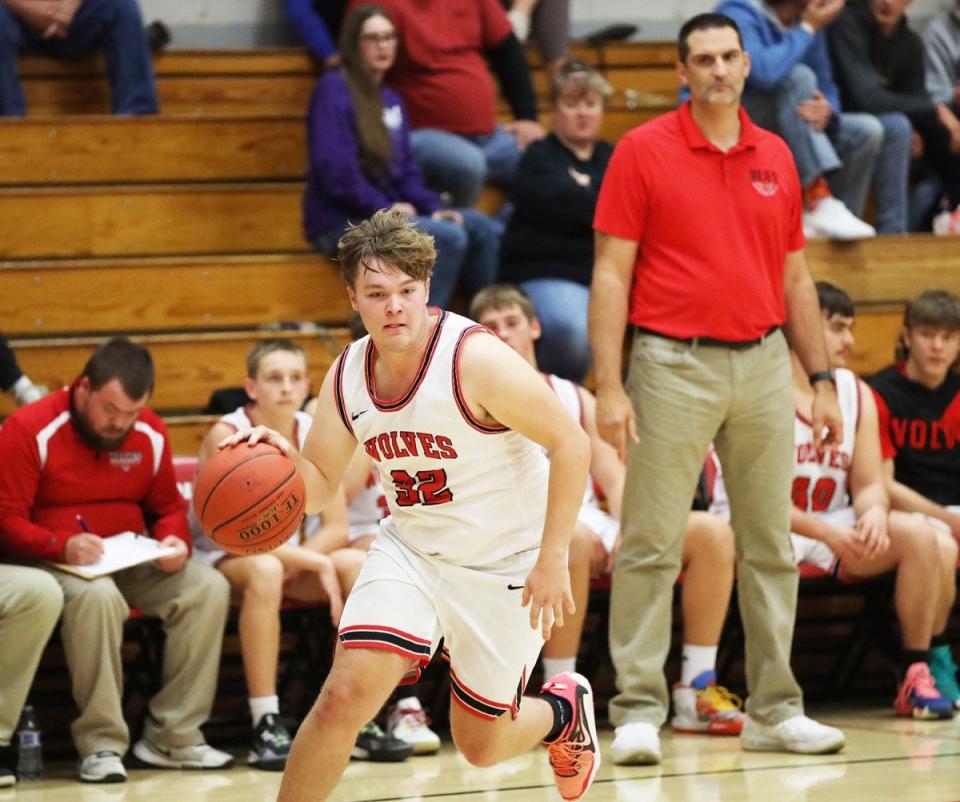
480,523
278,383
700,705
919,421
841,519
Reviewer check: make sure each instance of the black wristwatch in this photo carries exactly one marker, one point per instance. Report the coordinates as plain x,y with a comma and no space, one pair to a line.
823,376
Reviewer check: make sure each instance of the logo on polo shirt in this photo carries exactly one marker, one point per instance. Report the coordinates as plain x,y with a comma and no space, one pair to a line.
125,460
765,182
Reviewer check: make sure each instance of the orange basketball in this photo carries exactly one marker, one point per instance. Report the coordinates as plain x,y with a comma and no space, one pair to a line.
249,499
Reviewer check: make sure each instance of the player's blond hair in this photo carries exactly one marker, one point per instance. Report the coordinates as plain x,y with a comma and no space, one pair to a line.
501,296
388,237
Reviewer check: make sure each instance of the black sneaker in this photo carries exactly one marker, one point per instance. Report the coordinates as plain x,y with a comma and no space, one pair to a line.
271,744
8,761
374,744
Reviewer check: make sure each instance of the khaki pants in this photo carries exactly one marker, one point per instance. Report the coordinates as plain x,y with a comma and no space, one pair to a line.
686,396
30,604
192,603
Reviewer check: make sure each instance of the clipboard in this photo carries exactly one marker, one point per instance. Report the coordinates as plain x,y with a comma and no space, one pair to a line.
119,551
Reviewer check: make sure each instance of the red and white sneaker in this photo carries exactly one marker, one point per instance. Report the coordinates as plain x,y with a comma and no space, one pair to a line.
575,754
703,706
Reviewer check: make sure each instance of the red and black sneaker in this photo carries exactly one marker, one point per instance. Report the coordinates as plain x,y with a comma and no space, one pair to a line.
575,754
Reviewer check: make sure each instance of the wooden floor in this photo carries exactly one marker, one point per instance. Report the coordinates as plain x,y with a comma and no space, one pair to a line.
885,759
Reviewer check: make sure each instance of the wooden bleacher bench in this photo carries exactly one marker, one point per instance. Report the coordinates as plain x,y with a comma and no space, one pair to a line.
188,366
76,296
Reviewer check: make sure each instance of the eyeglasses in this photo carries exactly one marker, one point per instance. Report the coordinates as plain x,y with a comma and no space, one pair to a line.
378,38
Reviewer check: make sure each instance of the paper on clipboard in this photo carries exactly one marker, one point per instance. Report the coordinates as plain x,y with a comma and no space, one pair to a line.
120,551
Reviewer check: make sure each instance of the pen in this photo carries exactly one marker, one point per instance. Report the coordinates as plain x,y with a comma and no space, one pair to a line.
83,523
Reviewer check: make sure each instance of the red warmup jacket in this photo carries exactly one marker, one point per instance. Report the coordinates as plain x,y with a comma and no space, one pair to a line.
49,475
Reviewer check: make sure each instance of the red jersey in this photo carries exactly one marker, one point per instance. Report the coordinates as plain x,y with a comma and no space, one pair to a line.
49,475
440,71
714,228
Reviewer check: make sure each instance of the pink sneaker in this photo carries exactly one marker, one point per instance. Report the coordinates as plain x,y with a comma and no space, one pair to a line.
575,755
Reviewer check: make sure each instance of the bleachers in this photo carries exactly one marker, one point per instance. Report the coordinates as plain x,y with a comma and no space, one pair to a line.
183,229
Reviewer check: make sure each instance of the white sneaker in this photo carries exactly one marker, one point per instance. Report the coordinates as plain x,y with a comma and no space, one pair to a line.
102,767
947,224
797,734
407,721
197,756
636,744
831,219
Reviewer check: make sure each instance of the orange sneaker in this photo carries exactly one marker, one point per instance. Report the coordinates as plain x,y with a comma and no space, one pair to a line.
575,754
704,706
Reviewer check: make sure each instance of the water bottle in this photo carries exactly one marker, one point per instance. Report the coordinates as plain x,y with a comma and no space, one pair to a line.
29,747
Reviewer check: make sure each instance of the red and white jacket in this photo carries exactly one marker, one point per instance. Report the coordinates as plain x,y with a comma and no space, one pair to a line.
49,476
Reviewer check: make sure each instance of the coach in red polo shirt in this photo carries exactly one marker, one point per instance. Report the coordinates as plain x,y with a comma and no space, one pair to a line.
699,234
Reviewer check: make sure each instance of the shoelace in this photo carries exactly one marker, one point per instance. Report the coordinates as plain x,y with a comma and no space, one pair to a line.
565,758
413,717
923,685
721,699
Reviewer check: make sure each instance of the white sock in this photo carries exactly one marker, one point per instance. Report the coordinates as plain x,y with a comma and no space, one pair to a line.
557,665
261,705
696,660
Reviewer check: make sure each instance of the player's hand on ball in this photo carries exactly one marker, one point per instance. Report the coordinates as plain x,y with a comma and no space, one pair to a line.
547,591
258,434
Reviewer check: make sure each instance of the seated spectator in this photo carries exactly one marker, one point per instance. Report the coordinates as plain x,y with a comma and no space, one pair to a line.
700,705
278,384
549,23
318,25
919,420
790,90
69,29
12,378
879,65
80,465
547,248
443,75
360,161
941,50
30,604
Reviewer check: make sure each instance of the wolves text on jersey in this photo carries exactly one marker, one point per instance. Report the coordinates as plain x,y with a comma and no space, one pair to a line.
396,445
935,435
835,459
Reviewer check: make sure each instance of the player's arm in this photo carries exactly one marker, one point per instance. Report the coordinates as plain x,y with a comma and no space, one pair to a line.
909,500
357,474
500,385
605,466
804,332
325,454
334,527
609,301
867,490
208,446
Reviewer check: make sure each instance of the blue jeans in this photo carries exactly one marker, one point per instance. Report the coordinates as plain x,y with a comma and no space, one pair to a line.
564,348
460,166
467,255
115,26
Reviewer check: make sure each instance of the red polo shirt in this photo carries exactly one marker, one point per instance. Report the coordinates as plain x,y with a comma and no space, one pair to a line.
440,71
714,228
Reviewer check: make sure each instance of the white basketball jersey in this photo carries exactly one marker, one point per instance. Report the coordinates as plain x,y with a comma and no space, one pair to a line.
821,479
469,492
569,395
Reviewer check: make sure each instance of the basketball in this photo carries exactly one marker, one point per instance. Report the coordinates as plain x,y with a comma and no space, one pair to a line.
249,499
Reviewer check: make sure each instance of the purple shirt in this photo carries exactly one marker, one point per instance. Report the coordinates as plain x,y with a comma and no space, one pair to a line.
338,190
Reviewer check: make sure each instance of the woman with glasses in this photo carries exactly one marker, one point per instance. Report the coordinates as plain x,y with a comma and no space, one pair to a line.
360,161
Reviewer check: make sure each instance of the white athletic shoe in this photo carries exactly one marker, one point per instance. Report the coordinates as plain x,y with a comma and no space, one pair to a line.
797,734
102,767
636,744
408,721
196,756
831,219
